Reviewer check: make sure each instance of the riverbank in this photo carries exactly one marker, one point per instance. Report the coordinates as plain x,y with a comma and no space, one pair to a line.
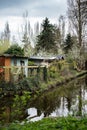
35,85
44,102
61,80
61,123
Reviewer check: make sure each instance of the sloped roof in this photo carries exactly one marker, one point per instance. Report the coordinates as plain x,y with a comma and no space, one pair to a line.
58,57
41,58
13,56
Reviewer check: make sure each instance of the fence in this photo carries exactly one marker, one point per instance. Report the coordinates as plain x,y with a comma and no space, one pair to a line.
13,73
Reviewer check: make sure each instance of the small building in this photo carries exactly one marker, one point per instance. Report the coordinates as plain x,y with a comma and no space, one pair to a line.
43,61
9,63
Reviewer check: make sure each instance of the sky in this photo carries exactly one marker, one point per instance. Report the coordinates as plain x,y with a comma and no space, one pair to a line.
12,11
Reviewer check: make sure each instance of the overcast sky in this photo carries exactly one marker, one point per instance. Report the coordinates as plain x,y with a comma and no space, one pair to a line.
12,10
36,8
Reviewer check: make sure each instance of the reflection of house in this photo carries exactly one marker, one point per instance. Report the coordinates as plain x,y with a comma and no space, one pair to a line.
7,61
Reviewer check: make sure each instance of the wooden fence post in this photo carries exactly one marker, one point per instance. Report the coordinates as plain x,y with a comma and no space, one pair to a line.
45,73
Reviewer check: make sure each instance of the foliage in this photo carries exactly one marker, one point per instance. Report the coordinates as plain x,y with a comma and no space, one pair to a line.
29,84
5,39
7,86
68,43
4,45
69,123
18,107
45,74
46,39
31,63
15,50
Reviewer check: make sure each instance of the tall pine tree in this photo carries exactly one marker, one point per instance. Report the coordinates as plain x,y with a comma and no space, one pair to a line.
46,39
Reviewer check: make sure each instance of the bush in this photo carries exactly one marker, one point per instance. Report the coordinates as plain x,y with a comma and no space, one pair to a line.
31,63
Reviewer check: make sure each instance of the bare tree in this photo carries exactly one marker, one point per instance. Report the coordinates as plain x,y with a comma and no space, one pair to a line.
7,32
27,34
62,27
5,39
77,14
36,28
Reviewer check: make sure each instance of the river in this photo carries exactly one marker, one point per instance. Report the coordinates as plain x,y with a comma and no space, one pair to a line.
68,99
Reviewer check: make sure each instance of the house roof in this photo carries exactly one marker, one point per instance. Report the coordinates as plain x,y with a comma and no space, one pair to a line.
13,56
58,57
41,58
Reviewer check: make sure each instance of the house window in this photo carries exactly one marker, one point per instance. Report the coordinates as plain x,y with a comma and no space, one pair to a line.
15,62
22,63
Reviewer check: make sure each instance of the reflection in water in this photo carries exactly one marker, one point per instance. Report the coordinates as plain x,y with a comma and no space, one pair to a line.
64,100
86,80
33,114
67,99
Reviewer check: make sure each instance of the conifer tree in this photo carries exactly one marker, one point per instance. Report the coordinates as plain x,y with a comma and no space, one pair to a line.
46,39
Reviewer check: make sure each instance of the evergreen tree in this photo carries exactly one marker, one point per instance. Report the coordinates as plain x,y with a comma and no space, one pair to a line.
46,39
68,43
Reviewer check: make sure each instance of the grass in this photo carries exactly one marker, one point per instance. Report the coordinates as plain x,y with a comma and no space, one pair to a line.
62,123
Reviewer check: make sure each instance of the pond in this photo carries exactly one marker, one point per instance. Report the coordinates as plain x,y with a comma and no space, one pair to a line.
68,99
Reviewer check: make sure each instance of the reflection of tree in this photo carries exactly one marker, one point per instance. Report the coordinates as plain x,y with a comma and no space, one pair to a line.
5,110
86,64
80,102
69,100
50,101
46,104
86,80
71,92
11,109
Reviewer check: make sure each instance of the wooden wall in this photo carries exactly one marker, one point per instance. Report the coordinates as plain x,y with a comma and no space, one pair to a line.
7,70
5,61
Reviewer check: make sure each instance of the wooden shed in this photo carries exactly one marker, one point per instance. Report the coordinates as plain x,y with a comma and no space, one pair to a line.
7,62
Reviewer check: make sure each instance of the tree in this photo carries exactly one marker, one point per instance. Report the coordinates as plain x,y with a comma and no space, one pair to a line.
68,43
27,35
58,40
15,50
77,13
46,39
62,28
37,28
5,39
7,32
3,46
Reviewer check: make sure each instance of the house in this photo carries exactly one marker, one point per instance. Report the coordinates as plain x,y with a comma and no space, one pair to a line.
38,60
12,63
45,61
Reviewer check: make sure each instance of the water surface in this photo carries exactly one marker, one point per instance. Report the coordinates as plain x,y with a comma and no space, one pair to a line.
68,99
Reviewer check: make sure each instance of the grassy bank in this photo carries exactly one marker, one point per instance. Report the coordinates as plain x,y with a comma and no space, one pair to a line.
62,123
60,80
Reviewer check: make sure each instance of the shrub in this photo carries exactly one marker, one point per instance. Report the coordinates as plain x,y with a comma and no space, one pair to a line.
31,63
